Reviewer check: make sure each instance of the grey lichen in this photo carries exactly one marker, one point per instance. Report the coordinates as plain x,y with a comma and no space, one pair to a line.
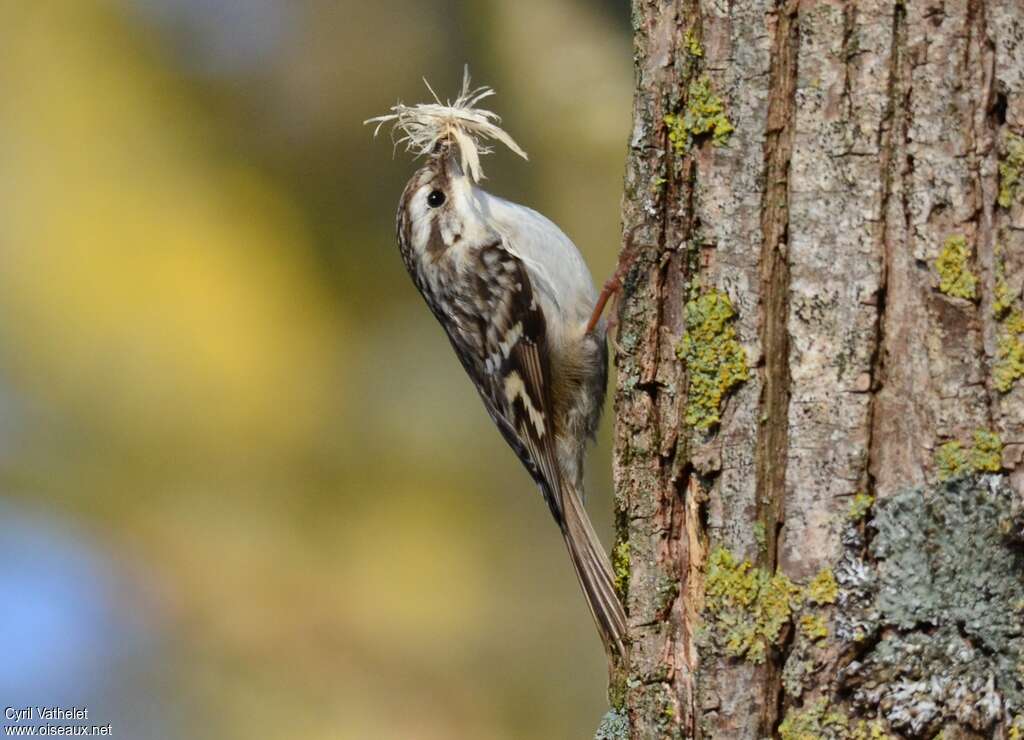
614,726
942,609
809,647
797,672
667,591
760,535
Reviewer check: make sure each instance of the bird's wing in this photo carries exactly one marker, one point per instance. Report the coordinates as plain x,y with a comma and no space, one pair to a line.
500,336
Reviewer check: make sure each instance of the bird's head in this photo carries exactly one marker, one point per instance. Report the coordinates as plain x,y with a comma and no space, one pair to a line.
441,205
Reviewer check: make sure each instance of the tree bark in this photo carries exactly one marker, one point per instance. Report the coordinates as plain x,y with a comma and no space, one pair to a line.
819,418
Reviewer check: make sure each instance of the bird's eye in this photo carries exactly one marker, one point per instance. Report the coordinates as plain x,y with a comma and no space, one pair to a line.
435,199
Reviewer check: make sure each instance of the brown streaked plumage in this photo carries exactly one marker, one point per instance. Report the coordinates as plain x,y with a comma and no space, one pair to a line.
515,299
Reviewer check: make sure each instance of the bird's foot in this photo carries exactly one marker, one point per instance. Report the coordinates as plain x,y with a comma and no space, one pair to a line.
613,286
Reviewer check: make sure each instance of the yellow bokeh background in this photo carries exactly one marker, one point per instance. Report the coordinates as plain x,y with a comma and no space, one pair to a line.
216,377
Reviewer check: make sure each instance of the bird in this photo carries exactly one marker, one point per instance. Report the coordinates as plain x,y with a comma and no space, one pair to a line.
520,309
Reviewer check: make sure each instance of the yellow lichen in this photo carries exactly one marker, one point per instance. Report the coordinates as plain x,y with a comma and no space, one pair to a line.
1009,365
620,565
693,44
859,506
813,626
811,722
950,460
817,722
823,588
985,455
1011,172
1003,299
1016,731
760,535
715,361
955,276
704,114
868,730
748,606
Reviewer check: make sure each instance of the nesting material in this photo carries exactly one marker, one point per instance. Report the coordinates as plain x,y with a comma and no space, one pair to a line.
423,126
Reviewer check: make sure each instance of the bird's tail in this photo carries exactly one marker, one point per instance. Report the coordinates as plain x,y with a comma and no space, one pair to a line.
594,572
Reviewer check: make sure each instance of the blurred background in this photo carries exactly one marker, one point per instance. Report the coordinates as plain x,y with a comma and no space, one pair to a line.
245,488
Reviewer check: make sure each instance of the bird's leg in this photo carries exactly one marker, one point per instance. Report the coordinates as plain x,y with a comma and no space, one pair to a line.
613,285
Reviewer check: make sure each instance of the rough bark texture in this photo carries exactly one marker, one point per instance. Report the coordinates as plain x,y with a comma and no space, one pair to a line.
819,407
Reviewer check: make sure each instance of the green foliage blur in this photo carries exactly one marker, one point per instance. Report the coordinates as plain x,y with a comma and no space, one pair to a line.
213,364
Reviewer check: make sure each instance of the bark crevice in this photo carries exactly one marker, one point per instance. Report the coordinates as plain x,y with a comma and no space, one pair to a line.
893,125
772,438
772,435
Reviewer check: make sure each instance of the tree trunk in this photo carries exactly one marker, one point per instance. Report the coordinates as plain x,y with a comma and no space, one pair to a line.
819,417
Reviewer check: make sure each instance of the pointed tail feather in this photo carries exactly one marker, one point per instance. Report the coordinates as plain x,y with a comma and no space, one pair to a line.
594,572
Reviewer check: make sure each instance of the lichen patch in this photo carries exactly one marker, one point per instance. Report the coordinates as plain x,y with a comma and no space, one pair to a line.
985,455
819,721
940,607
1009,364
747,606
620,566
859,506
823,588
1004,298
715,361
1011,172
703,115
955,276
